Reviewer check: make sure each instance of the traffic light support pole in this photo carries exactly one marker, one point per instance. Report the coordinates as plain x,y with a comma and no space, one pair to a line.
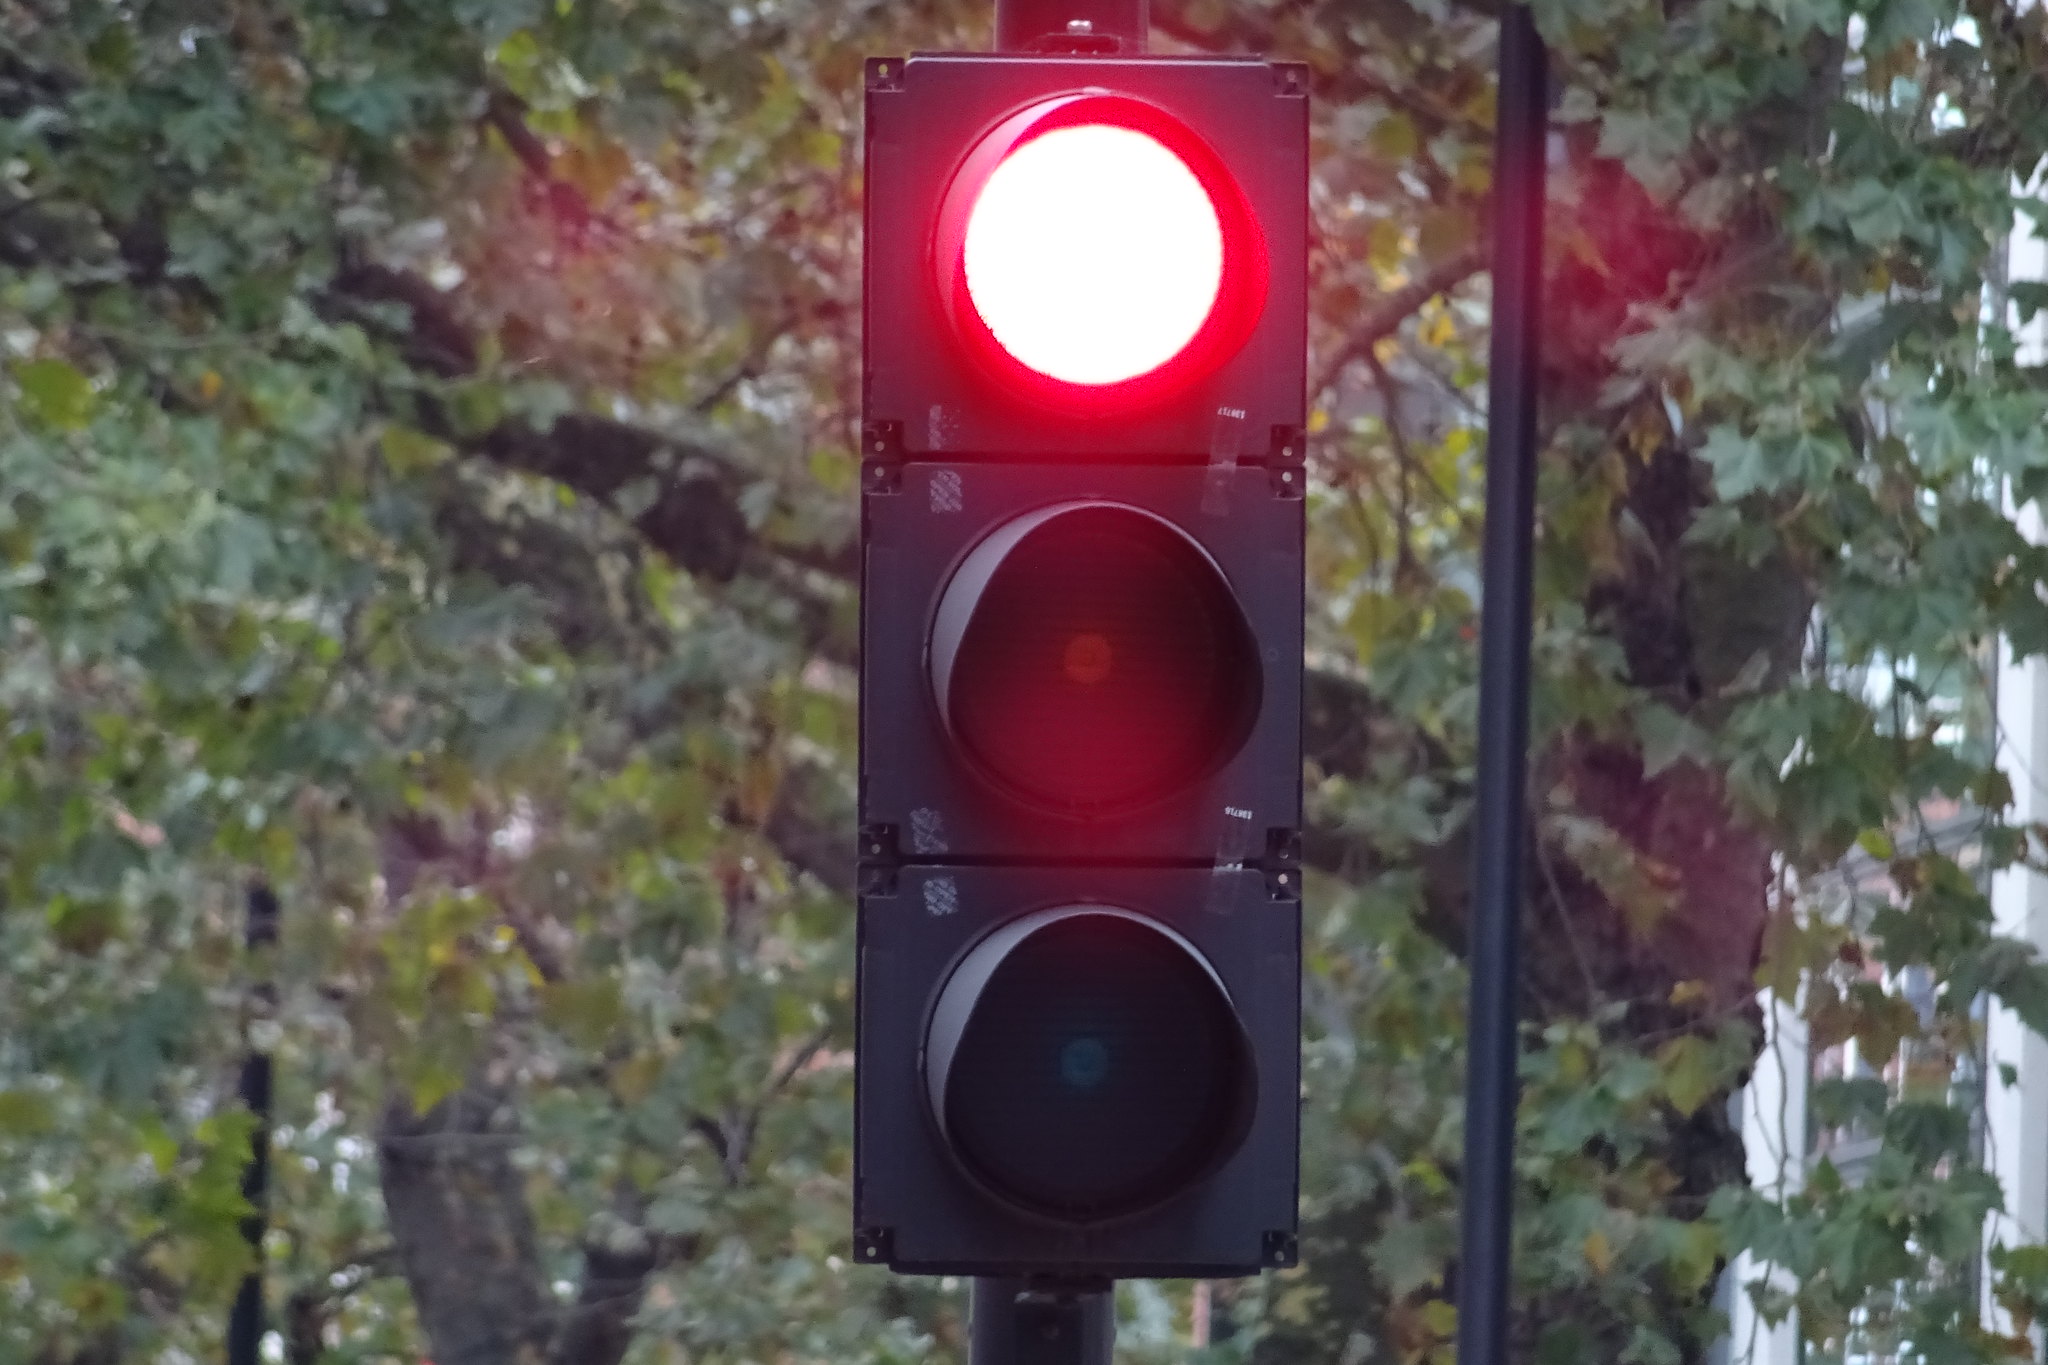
245,1318
1490,1090
1042,1322
1100,26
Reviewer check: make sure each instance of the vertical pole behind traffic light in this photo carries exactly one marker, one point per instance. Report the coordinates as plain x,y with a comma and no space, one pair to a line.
1488,1213
245,1318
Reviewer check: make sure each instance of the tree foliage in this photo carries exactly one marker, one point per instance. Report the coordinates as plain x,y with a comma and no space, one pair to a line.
426,490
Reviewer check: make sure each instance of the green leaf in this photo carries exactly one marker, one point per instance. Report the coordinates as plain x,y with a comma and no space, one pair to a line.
1875,211
588,1010
1929,1132
1738,463
2029,297
409,451
1409,1255
1667,737
2010,970
1838,1102
55,394
1690,1074
1650,145
1443,233
1394,139
26,1113
430,1081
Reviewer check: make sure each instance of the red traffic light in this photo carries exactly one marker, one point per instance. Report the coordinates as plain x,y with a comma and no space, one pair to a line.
1094,252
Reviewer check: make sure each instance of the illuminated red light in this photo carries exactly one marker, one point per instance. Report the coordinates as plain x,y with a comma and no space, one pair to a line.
1095,253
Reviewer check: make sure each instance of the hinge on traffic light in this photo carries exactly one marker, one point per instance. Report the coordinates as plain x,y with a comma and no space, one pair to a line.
878,844
881,441
1292,78
1283,864
1281,1249
881,457
879,860
873,1246
885,73
1287,461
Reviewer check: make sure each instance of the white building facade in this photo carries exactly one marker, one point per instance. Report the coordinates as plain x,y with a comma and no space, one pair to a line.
1779,1139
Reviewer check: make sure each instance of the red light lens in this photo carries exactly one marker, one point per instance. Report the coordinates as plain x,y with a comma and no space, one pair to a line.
1093,254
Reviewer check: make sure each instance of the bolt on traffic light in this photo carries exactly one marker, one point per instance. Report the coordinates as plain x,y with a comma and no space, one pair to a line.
1083,393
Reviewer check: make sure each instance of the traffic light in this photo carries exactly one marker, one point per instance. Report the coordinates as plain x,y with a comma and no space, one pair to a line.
1080,789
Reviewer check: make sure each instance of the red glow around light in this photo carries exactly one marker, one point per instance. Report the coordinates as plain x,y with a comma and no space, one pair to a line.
1093,254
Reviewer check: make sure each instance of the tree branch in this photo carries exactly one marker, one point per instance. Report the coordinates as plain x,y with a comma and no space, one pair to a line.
694,517
506,112
1396,308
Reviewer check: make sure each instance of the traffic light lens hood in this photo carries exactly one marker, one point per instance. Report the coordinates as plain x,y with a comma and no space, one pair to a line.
1090,658
1093,253
1085,1064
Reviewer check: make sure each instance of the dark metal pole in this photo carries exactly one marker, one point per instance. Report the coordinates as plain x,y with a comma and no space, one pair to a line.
1041,1322
1490,1090
245,1320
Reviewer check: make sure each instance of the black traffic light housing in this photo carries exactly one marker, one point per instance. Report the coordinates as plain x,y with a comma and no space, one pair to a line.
923,392
1080,795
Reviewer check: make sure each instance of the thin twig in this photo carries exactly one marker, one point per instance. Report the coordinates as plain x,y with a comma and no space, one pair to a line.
506,112
1595,997
1396,308
1404,460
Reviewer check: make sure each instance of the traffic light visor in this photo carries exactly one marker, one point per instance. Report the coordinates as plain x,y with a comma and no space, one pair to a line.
1093,251
1090,658
1085,1063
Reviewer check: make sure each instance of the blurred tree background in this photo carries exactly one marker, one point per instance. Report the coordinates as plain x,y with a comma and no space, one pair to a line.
427,491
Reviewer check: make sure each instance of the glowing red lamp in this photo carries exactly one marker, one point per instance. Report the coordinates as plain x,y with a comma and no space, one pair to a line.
1093,252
